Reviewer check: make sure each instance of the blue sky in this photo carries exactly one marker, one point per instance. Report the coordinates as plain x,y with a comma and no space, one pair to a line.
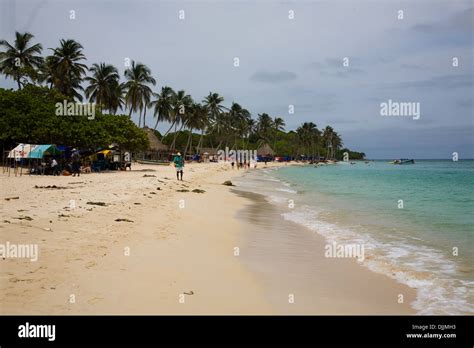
286,61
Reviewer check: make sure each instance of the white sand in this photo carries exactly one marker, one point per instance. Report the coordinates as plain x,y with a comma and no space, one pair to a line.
172,249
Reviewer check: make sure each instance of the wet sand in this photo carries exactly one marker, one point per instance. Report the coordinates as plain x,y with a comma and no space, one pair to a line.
289,260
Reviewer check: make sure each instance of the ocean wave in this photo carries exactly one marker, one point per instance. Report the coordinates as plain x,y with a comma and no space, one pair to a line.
286,190
420,267
276,199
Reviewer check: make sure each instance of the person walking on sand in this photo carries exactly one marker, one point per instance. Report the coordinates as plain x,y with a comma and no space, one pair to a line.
179,165
76,163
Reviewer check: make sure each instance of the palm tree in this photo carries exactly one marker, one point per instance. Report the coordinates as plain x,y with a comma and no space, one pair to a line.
195,119
20,58
203,127
236,118
102,84
264,127
278,126
65,68
215,112
117,97
182,104
248,129
308,135
336,143
328,135
238,123
138,94
163,105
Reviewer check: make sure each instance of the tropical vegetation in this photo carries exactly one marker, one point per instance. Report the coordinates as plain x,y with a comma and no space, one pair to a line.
27,114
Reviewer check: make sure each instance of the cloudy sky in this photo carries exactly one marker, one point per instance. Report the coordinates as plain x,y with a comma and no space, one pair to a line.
290,61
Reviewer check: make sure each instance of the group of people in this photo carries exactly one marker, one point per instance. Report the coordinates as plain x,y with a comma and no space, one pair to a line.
244,165
45,167
51,166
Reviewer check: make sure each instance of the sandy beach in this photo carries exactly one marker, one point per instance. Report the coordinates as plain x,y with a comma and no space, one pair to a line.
174,252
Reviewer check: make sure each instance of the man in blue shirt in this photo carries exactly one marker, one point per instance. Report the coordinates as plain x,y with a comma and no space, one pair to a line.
179,165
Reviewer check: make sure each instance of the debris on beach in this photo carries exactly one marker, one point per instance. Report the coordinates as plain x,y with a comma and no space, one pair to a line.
24,218
52,187
183,190
189,293
6,222
123,220
158,188
136,203
75,183
64,215
152,193
149,176
228,183
198,191
9,198
102,204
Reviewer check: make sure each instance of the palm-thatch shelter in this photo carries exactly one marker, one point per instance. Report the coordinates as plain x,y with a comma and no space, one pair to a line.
156,149
265,150
207,154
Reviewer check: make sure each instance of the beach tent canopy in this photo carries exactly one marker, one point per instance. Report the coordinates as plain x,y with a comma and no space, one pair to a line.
42,150
21,151
105,152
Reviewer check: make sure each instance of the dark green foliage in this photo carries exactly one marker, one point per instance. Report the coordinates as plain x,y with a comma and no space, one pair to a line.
29,116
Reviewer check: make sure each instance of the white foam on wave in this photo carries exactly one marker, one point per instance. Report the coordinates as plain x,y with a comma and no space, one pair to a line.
420,267
277,199
269,178
286,190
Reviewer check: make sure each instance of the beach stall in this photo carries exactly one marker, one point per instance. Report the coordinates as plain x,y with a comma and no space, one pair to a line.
39,157
208,154
100,160
17,157
156,153
265,153
41,151
21,151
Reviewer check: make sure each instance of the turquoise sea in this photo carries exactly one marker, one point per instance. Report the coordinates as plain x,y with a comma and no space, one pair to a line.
415,221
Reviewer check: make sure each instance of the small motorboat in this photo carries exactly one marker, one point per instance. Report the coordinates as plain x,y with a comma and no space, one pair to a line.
403,161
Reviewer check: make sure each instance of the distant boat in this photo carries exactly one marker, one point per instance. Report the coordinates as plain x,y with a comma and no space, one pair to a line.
403,161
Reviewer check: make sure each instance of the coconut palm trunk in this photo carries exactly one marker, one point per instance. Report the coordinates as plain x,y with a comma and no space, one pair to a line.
199,145
173,144
190,140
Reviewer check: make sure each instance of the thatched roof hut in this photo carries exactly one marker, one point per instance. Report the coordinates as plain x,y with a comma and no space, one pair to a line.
265,150
156,149
155,143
